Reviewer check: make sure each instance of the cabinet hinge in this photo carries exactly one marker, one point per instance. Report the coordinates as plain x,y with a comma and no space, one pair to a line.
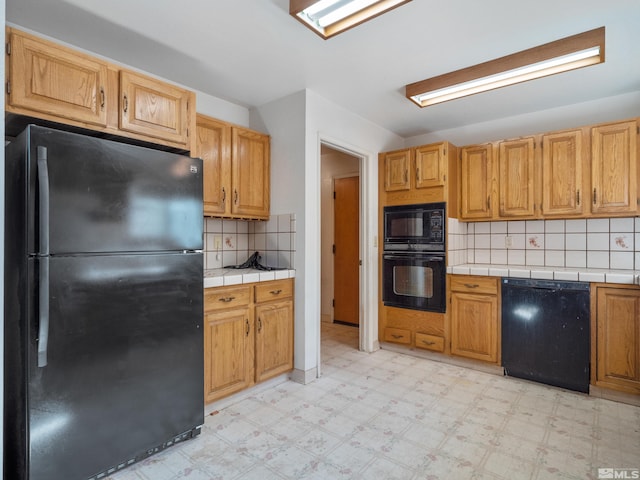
333,248
638,129
8,48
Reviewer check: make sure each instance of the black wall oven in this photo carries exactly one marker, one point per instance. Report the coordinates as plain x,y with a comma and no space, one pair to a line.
413,261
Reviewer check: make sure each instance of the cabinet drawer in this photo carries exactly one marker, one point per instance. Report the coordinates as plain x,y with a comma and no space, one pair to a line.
397,335
429,342
220,298
473,284
269,291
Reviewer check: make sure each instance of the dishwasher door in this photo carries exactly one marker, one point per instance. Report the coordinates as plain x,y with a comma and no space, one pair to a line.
545,332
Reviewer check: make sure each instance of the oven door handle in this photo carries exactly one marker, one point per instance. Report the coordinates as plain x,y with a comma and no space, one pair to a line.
438,258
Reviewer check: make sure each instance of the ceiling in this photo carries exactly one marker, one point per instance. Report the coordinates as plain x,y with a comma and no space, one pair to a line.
251,52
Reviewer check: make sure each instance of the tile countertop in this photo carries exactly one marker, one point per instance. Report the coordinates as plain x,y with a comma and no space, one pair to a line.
218,277
549,273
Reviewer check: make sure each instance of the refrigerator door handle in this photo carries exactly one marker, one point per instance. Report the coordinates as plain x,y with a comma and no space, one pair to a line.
43,300
43,191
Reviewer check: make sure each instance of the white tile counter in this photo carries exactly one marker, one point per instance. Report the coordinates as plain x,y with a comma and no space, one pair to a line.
219,277
548,273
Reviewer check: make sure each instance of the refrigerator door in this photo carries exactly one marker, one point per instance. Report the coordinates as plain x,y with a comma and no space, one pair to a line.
90,195
124,370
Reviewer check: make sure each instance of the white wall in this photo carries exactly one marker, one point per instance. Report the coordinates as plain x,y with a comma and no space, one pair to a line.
608,109
297,124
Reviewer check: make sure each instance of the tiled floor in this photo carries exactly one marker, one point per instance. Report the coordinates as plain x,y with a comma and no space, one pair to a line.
391,416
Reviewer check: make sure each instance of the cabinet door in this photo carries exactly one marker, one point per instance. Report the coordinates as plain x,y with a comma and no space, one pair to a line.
562,190
274,339
475,182
614,161
431,168
618,338
213,146
57,81
474,324
396,171
517,178
153,108
250,174
228,352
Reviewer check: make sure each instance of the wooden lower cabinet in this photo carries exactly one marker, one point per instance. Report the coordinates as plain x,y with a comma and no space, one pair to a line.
248,335
475,317
616,337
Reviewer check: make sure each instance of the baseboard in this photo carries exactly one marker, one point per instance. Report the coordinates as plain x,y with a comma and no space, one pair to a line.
304,377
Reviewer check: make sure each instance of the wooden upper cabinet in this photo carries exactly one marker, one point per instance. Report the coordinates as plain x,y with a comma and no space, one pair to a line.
614,171
431,165
213,146
396,170
250,173
153,108
55,80
517,178
476,179
563,192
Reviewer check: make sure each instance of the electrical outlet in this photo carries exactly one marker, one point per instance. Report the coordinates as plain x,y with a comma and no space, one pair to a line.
508,242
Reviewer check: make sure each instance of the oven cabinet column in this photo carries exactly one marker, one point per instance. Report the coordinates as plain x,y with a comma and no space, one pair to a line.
474,313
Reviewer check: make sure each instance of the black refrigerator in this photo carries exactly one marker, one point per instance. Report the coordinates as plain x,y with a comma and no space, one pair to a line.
103,304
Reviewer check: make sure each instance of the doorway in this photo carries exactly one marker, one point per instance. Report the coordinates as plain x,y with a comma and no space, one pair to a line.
340,237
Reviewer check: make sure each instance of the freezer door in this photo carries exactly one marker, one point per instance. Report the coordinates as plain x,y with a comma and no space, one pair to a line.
124,370
90,195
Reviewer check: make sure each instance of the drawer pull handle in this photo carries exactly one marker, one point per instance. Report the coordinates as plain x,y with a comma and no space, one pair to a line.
226,299
276,292
126,104
471,285
259,324
426,342
396,336
247,323
224,195
102,98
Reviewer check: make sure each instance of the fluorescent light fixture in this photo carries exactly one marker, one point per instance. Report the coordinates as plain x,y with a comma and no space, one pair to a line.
330,17
562,55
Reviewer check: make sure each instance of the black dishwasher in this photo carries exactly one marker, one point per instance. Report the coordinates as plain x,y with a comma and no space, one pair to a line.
545,332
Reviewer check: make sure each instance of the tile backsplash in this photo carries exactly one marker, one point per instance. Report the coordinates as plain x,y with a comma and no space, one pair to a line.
610,243
231,242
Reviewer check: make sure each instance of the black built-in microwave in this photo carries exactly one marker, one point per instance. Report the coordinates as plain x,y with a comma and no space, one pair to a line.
415,227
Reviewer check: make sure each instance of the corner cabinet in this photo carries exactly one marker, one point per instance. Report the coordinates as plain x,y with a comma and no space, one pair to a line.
236,163
475,318
616,337
248,336
52,82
